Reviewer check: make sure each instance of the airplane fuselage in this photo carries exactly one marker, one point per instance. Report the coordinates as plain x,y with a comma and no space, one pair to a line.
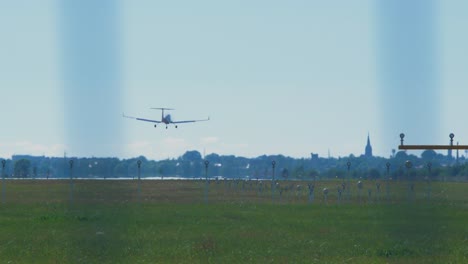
167,120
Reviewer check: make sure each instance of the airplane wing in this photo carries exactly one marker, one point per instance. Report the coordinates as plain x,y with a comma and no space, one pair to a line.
142,119
189,121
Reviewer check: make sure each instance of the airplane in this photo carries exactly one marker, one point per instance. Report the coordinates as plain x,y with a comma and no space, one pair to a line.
165,119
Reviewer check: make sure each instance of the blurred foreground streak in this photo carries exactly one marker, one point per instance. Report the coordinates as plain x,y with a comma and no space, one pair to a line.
408,70
91,69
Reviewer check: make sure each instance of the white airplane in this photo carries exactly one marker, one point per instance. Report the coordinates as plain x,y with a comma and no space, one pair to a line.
165,119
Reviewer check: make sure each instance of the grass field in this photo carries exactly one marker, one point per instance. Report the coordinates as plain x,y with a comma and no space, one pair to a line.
108,222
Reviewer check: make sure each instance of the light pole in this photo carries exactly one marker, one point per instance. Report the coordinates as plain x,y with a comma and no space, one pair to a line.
104,172
387,187
273,165
207,163
377,196
311,192
451,136
348,191
3,180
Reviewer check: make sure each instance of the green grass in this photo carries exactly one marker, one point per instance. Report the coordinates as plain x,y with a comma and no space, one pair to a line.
106,224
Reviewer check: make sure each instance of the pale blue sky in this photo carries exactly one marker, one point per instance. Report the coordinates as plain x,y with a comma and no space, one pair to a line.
289,77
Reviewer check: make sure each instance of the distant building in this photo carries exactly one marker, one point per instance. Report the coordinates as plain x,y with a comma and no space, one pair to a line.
368,151
314,156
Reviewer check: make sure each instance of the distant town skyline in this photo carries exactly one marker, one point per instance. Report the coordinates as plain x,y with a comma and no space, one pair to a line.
286,78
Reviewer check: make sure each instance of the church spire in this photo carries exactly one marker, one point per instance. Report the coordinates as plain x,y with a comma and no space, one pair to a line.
368,151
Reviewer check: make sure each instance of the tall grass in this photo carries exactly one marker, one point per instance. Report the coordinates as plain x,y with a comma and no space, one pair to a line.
106,224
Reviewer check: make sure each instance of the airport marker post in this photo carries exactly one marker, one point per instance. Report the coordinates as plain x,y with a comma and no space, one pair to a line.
311,192
273,165
377,195
369,195
3,180
387,186
359,185
340,190
139,180
325,195
428,189
206,181
408,166
348,194
71,181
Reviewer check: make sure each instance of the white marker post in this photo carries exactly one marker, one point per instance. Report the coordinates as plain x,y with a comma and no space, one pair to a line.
359,185
325,195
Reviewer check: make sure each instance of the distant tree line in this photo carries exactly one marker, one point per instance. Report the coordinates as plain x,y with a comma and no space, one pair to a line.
191,165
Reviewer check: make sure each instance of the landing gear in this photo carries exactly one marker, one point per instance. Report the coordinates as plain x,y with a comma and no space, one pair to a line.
175,126
154,125
166,127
